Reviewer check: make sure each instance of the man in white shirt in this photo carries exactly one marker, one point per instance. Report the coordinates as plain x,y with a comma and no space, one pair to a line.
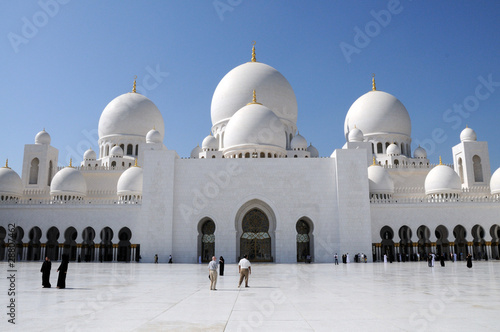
245,269
212,270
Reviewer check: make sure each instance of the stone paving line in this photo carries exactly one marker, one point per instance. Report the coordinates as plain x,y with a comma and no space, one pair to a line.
281,297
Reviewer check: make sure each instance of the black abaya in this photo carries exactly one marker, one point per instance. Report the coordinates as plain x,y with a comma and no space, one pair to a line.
46,266
61,279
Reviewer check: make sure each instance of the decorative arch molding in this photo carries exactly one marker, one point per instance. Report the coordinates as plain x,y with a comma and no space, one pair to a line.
310,235
267,210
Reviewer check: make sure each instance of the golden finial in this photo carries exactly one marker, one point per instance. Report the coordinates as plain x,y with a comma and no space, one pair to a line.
134,90
374,161
253,52
254,99
70,162
466,126
7,164
135,163
374,87
440,162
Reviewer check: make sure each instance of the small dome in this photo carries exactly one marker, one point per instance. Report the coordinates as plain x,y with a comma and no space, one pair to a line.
154,136
68,181
313,151
495,182
89,155
393,150
116,151
130,182
468,135
10,183
195,153
420,153
380,182
298,143
210,143
442,179
252,126
355,135
130,114
42,137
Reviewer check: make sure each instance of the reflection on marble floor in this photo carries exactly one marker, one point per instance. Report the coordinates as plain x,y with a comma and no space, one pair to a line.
281,297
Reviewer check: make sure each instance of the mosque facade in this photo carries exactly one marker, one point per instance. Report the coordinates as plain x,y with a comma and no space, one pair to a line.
255,186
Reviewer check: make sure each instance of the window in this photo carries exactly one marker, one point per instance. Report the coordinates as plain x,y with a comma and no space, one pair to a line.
34,171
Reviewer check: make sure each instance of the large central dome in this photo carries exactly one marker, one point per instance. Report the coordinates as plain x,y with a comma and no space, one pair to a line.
376,113
273,89
130,114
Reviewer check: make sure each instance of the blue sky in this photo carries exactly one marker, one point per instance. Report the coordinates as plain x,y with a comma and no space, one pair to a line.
79,55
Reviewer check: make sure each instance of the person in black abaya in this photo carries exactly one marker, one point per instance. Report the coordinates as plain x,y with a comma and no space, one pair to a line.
469,261
63,269
442,260
46,266
221,266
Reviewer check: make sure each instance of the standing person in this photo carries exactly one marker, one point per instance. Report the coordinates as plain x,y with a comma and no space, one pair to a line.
442,260
385,258
221,266
336,259
46,266
245,269
347,260
156,258
212,273
63,269
469,261
169,259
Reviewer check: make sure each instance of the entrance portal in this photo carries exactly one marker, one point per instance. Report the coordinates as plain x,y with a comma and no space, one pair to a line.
255,240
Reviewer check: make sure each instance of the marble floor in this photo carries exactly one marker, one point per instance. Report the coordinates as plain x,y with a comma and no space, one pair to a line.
281,297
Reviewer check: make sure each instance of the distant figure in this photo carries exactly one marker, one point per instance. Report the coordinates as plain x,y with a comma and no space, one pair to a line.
385,258
221,266
308,259
170,259
212,273
156,258
199,259
245,269
46,266
336,259
347,260
63,270
469,261
442,260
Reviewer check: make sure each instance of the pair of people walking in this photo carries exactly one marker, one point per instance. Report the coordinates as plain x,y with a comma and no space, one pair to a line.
63,269
244,269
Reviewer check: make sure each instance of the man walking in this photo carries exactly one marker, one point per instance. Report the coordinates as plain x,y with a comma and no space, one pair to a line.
245,269
336,259
212,270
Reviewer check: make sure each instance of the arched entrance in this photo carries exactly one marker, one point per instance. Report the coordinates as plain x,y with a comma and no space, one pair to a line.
442,243
424,242
52,245
255,240
387,234
124,246
88,245
495,241
303,240
70,236
479,242
207,237
106,245
34,246
461,249
405,243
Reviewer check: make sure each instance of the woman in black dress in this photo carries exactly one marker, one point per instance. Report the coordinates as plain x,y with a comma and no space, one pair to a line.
63,268
221,266
469,261
46,266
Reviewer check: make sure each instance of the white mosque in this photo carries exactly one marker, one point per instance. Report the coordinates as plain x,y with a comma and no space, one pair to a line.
254,187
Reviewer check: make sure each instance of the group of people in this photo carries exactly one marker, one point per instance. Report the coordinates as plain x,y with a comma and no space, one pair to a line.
432,257
170,260
63,270
244,270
